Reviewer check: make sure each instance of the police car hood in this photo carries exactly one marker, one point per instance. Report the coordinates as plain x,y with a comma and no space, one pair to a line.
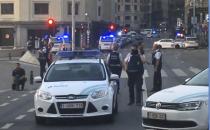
181,93
73,87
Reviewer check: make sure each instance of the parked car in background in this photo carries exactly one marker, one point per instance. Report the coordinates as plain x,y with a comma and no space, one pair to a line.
105,42
60,42
165,43
183,107
146,31
191,42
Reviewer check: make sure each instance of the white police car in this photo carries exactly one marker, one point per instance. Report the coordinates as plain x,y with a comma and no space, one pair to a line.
76,87
183,107
106,42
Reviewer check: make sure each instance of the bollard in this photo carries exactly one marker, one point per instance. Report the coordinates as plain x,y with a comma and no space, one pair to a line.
10,56
31,77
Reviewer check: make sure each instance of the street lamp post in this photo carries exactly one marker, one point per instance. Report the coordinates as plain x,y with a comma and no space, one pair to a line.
73,24
88,30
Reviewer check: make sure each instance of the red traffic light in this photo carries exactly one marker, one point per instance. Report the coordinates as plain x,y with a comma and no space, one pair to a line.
51,21
112,27
125,30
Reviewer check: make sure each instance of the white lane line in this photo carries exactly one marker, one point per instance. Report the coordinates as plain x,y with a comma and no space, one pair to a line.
5,90
124,74
179,72
15,99
24,95
144,92
20,117
146,75
31,110
163,73
7,126
4,104
194,70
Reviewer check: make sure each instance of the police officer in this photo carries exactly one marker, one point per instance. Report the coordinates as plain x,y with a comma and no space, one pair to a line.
157,63
42,59
114,61
18,77
135,70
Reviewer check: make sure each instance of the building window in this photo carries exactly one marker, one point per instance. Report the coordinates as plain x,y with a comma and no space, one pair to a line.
99,10
135,8
7,8
76,8
127,1
127,18
118,18
118,1
135,18
41,8
135,1
127,7
118,8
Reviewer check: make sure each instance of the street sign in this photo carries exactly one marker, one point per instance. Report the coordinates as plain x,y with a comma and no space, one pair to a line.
193,20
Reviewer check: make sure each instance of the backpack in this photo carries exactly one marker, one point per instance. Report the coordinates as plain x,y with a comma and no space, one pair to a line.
135,64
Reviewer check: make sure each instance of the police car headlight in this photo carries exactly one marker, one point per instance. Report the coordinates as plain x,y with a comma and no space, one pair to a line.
44,95
188,106
99,93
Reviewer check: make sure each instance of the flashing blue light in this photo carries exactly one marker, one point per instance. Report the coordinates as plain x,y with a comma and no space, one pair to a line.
178,34
65,36
78,54
103,37
111,35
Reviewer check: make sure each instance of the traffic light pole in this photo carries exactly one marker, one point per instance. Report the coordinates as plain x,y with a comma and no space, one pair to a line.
73,25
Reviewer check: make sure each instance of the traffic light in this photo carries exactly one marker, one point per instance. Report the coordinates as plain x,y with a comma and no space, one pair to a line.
125,30
112,27
51,26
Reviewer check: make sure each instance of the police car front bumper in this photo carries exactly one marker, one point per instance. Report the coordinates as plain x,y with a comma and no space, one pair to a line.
90,108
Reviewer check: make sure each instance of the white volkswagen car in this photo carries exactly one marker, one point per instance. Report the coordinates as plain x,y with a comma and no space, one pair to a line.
165,43
183,107
73,88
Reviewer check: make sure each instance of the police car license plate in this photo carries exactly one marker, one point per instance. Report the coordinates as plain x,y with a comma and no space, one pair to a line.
159,116
72,105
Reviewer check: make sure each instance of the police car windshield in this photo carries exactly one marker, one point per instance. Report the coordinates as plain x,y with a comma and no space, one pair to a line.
199,80
191,39
107,39
76,72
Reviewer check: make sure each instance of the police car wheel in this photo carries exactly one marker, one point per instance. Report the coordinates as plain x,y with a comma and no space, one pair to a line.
40,120
177,47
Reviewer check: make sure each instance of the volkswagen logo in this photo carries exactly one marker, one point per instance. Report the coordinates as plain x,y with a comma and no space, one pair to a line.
158,105
71,97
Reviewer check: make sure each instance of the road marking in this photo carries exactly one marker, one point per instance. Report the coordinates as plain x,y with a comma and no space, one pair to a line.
144,92
194,70
32,91
15,99
5,90
4,104
20,117
31,110
124,74
146,75
179,72
24,95
163,73
7,126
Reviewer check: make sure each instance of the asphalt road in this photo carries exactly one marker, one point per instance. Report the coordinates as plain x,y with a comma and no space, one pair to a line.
16,108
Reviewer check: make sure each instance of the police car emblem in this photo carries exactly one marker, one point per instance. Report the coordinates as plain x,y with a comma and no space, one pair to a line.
158,105
71,97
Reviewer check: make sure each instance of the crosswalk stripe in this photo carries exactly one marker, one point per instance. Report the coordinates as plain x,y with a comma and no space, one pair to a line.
31,110
179,72
5,90
7,126
20,117
163,73
194,70
4,104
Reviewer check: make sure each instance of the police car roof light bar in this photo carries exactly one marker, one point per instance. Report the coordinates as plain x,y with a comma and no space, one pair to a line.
78,54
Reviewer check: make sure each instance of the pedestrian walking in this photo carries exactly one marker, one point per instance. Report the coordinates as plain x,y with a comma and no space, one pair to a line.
29,44
19,78
42,60
115,62
37,43
157,63
134,68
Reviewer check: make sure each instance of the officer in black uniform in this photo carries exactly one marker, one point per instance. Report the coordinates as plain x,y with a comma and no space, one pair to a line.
18,77
114,61
157,63
42,60
134,68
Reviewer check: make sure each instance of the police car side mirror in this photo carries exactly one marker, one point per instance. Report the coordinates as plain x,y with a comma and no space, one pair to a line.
186,80
37,79
114,77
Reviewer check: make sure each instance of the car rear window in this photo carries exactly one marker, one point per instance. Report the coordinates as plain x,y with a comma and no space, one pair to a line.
76,72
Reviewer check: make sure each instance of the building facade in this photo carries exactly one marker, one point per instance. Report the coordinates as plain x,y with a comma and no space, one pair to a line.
21,19
146,13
